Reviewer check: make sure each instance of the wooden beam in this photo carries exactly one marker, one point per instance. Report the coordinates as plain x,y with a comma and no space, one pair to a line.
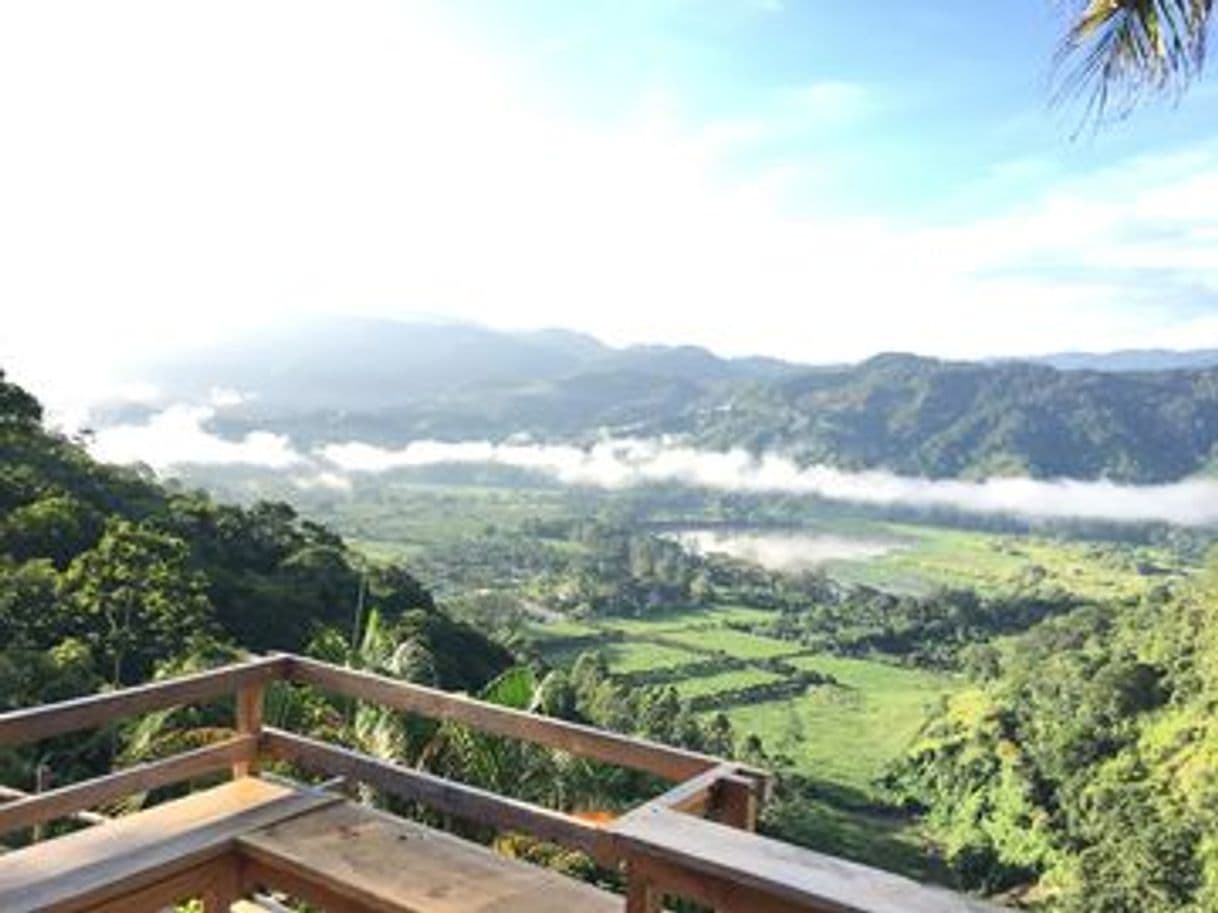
257,876
249,722
81,870
20,727
71,800
642,895
694,796
8,793
376,860
674,764
216,882
740,872
735,802
458,799
722,896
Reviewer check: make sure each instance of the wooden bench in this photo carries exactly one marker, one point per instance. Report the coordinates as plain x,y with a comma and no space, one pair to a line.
253,834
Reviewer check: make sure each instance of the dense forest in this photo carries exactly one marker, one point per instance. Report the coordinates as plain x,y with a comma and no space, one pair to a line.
921,416
105,573
1082,760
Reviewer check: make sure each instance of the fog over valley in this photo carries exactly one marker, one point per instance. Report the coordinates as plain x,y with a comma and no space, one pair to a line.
179,436
782,551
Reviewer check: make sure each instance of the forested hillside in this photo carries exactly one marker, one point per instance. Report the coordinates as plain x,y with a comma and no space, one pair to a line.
1085,756
921,416
389,383
108,578
105,575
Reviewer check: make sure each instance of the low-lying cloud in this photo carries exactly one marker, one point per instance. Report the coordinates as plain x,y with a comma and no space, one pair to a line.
623,463
783,551
178,436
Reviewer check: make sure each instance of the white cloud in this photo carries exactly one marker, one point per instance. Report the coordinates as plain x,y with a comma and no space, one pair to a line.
224,398
329,481
627,462
176,436
171,171
784,551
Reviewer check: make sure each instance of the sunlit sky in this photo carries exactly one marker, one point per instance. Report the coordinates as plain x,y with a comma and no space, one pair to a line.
816,180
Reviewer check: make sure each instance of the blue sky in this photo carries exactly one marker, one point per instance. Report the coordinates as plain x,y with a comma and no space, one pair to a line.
933,110
813,180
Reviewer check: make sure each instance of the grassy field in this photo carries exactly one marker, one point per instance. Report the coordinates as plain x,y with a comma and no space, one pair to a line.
933,557
848,733
627,657
731,642
725,681
685,619
561,629
843,734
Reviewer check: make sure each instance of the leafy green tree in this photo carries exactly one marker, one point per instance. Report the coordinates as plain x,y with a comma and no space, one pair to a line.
56,526
17,407
136,599
31,614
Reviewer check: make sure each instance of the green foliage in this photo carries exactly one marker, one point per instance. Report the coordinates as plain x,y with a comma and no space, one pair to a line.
134,599
18,409
1119,52
1084,760
925,417
107,578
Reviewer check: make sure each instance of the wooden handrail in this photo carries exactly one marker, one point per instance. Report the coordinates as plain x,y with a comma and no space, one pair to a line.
729,869
20,727
674,764
9,794
458,799
665,848
65,801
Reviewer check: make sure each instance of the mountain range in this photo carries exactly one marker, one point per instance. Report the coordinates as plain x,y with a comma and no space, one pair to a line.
1129,416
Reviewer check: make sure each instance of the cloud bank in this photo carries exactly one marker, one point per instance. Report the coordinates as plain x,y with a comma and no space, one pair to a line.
178,436
623,463
783,551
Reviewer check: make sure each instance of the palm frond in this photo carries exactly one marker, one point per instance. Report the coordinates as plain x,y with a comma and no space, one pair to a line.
1118,53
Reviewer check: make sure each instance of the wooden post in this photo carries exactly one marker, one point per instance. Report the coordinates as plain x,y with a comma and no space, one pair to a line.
224,889
249,722
736,802
641,893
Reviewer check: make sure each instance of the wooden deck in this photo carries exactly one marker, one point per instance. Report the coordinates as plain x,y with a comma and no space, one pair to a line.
134,854
253,835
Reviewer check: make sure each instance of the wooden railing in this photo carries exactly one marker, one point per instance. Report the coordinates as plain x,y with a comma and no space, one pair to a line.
696,840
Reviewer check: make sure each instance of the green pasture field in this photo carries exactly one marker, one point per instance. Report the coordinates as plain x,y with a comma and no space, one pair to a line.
846,734
688,619
992,563
725,681
626,657
560,630
732,642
